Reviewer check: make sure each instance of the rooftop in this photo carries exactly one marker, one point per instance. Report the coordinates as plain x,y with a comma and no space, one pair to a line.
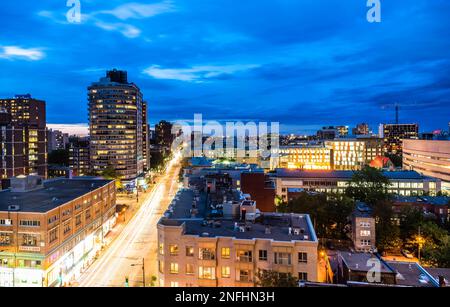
394,175
411,274
432,200
268,226
54,193
359,262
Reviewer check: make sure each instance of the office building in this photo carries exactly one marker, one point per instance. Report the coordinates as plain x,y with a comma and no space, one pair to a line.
394,134
164,136
79,157
116,126
51,230
337,154
430,158
361,129
327,133
23,146
227,241
56,140
145,137
405,183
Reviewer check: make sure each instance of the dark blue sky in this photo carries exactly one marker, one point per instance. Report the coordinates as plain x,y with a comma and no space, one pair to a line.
302,63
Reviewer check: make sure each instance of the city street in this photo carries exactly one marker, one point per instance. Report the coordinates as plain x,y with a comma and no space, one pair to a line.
138,240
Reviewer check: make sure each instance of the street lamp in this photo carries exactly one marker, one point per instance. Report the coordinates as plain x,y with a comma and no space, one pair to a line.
420,241
143,269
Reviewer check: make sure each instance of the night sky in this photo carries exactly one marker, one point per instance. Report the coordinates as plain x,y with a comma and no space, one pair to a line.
302,63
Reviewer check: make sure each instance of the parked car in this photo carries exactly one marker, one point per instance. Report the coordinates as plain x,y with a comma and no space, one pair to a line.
407,254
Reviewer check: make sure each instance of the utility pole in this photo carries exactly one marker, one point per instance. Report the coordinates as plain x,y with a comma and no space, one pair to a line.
143,270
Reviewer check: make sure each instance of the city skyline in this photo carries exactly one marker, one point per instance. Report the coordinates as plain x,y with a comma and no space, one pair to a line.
190,57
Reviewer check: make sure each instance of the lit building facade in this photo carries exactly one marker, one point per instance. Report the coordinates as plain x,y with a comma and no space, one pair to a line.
430,158
79,157
311,157
23,143
56,140
116,126
145,137
50,230
402,182
233,251
394,134
337,154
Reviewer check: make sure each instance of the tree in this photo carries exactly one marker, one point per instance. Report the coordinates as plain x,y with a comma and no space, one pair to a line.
328,211
368,185
273,279
387,233
109,173
410,220
396,159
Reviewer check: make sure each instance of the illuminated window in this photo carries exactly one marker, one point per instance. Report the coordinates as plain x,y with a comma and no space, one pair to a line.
161,248
226,252
173,268
226,272
189,269
173,249
206,272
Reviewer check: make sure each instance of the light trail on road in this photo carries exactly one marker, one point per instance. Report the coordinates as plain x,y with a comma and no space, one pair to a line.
136,241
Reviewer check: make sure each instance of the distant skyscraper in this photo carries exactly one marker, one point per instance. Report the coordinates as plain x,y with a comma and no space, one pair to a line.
164,136
393,135
23,146
361,129
116,125
56,140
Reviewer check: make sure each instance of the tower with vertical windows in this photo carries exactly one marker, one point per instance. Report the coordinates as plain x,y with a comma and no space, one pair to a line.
116,126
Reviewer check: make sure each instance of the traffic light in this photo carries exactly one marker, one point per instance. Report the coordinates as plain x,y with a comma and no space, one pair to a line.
126,282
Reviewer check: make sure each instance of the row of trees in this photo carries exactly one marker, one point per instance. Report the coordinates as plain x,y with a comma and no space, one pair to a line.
393,231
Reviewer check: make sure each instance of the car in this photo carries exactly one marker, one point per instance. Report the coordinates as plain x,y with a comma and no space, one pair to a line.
407,254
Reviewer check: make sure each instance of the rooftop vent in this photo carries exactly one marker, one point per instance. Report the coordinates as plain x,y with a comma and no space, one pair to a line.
13,208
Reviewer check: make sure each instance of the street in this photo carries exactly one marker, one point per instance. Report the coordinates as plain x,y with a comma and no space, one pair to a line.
123,257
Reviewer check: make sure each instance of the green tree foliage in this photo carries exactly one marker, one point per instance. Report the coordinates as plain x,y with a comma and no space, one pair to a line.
368,185
274,279
328,211
387,232
109,173
396,159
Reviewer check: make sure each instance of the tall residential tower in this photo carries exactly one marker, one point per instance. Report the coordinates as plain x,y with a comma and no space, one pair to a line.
23,145
116,126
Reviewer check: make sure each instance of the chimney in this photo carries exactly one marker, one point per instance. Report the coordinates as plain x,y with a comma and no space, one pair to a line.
243,214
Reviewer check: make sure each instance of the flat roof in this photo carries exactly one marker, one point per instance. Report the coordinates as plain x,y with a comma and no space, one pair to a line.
411,274
394,175
358,262
54,194
278,223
